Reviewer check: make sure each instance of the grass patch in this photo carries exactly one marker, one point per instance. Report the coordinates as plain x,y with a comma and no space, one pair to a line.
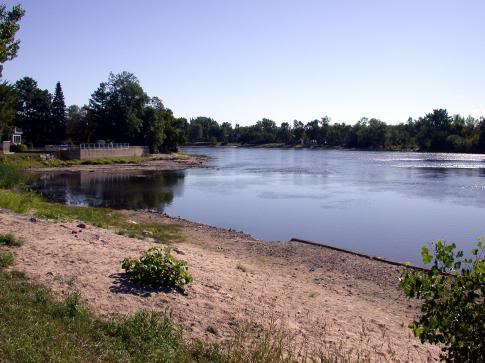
33,160
6,259
35,327
10,176
8,239
24,202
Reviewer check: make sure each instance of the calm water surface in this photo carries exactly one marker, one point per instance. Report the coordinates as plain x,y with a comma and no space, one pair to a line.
380,203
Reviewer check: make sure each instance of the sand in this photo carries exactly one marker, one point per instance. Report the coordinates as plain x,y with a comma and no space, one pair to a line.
322,297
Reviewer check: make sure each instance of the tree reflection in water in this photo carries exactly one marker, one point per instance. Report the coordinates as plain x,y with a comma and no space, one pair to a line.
126,190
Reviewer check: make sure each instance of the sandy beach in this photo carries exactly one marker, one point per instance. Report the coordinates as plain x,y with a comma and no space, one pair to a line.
326,300
323,298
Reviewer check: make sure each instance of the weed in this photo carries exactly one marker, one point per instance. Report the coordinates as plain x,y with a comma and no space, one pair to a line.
157,267
8,239
6,259
10,176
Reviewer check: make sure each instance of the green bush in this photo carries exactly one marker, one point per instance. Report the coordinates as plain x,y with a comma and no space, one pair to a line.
157,267
20,148
6,259
452,294
10,176
8,239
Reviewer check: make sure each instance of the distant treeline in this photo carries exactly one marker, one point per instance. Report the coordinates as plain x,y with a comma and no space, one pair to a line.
120,111
437,131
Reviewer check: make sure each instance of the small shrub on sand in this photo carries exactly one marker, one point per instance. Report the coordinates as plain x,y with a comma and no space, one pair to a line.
157,267
8,239
452,295
6,259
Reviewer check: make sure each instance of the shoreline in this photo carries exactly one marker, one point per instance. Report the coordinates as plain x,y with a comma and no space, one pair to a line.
323,298
315,293
159,162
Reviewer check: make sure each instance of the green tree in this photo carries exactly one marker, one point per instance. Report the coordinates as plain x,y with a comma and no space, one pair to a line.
117,108
153,125
33,111
8,101
434,130
452,295
298,132
284,133
79,130
57,132
481,135
9,25
196,132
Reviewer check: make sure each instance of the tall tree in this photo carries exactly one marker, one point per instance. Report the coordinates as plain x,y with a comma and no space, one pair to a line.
78,128
58,126
9,25
8,100
154,124
33,111
117,108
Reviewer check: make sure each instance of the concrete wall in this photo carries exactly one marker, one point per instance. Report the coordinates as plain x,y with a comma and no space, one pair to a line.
5,147
90,154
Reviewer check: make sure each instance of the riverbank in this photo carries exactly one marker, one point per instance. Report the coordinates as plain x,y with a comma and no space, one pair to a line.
325,299
156,162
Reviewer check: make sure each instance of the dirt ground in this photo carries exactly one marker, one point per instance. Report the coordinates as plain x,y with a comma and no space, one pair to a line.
323,297
159,162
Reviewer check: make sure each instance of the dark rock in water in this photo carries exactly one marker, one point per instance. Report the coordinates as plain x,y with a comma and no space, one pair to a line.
213,330
81,225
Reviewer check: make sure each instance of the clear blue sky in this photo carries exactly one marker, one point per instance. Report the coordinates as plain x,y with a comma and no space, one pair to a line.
240,61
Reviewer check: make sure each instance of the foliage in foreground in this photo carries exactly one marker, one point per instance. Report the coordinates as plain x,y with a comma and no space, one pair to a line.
453,310
157,267
34,327
8,239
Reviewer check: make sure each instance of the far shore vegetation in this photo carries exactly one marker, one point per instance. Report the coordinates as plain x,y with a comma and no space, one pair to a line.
120,111
143,120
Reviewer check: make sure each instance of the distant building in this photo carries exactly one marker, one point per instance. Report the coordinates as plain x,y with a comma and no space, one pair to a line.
17,136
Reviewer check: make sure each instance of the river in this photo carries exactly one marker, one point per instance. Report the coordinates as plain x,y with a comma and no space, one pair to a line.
386,204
